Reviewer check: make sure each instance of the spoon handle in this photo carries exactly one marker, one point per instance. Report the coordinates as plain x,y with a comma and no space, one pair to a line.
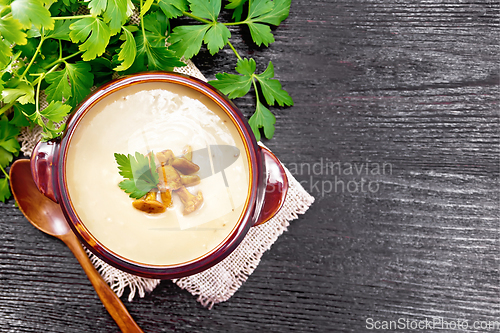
110,300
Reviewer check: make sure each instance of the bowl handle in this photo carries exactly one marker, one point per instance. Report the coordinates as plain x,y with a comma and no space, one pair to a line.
44,168
276,186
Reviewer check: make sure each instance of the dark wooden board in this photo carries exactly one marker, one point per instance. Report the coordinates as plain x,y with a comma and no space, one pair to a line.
412,86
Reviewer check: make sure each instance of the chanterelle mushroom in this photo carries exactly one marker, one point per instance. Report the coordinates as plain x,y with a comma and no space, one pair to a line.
190,180
190,202
185,166
171,178
149,204
165,157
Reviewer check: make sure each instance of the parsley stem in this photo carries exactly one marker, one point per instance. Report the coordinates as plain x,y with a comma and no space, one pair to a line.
142,25
235,23
6,107
255,87
37,100
197,18
70,17
234,50
4,172
33,58
60,60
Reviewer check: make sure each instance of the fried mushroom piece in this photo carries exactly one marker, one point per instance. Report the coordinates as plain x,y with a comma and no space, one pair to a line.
190,180
185,166
149,204
171,178
190,202
165,157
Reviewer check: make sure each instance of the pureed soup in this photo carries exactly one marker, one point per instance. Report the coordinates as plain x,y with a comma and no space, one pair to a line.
153,117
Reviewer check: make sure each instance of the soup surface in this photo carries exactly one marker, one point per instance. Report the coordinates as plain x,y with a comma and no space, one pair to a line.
153,117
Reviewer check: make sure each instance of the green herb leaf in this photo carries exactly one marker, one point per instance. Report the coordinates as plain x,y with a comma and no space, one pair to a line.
266,11
173,8
146,7
232,85
261,33
59,86
259,7
4,189
236,85
31,12
156,25
5,53
271,89
19,119
237,5
76,89
81,79
246,66
11,30
186,39
56,111
158,58
216,37
140,173
61,30
116,14
24,93
8,142
94,32
280,11
262,118
208,9
97,6
128,51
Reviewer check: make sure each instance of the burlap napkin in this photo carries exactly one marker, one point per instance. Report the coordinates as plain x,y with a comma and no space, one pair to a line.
218,283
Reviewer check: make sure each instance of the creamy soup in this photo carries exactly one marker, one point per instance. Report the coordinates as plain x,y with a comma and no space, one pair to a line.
153,117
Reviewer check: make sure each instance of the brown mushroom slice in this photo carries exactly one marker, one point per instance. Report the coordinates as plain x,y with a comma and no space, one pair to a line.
149,204
187,153
190,202
185,166
165,157
190,180
171,178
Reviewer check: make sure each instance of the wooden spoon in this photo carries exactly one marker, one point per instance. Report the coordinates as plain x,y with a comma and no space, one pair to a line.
48,217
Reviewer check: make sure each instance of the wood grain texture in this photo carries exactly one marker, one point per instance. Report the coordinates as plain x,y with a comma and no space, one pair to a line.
412,84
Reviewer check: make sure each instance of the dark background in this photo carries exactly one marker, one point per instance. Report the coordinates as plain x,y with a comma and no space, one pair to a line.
413,84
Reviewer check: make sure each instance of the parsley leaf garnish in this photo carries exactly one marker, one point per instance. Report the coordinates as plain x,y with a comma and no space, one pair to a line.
8,143
238,85
173,8
73,82
128,50
94,32
32,12
139,172
237,5
9,147
186,40
262,118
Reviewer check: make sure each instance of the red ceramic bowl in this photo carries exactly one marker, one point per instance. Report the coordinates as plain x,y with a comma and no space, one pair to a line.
267,179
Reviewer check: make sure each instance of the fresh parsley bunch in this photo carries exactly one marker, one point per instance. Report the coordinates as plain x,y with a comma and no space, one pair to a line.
65,47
